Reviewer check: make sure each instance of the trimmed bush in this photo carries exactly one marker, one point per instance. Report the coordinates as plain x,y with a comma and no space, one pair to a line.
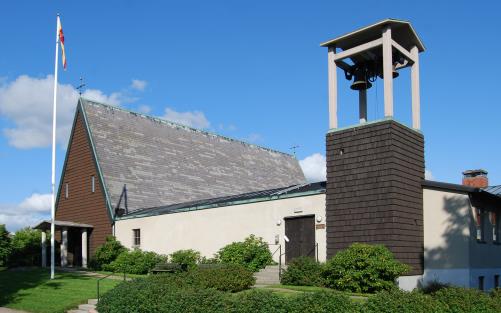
232,278
258,301
363,268
25,248
106,253
433,286
253,253
398,301
303,271
459,300
188,259
323,301
135,262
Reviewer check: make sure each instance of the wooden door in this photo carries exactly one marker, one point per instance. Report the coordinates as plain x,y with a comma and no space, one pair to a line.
301,234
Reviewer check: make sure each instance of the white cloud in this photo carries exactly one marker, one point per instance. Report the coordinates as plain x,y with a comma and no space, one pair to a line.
138,84
144,109
29,212
428,175
194,119
27,103
314,167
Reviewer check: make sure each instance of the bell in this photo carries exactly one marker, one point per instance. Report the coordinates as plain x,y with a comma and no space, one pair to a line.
360,81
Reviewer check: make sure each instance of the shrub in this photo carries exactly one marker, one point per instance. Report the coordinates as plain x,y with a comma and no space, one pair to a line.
232,278
459,300
324,301
258,301
25,247
106,253
135,262
303,271
398,301
213,260
5,245
363,268
253,253
433,286
188,259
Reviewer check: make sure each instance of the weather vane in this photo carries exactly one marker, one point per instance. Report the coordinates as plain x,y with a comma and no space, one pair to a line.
81,86
293,148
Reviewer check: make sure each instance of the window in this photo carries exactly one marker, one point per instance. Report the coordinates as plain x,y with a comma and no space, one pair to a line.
479,219
136,237
496,281
481,283
93,183
66,191
495,227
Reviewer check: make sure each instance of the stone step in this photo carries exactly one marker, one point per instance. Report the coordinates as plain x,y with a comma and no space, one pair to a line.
92,301
78,311
86,307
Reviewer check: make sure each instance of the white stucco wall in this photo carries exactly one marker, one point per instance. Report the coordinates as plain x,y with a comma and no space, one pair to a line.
451,252
210,229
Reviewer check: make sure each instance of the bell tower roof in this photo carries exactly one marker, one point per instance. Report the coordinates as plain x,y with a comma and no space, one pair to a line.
402,32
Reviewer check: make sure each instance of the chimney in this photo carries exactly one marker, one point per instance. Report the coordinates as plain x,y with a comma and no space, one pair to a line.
475,178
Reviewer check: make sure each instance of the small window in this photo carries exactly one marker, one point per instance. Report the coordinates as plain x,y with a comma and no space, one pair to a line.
93,183
66,191
496,281
495,227
481,283
479,219
136,233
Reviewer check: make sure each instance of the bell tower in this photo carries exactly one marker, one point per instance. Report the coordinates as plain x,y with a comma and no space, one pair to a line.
375,168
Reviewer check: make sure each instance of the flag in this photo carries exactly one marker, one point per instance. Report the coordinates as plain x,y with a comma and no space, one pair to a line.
61,40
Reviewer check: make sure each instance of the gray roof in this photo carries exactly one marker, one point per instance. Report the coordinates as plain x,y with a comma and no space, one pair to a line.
251,197
496,190
164,163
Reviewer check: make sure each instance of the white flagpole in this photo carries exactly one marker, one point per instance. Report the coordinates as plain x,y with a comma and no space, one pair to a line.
53,207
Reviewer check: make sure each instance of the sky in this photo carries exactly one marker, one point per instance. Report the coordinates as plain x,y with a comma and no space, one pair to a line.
251,70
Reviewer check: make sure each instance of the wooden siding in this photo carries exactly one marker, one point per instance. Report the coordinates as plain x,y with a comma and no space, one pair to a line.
374,193
83,206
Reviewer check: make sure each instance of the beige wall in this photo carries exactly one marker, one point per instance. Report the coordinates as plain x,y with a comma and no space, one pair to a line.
446,219
210,229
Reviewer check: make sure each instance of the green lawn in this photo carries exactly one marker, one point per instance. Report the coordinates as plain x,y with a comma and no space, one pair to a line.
32,290
314,288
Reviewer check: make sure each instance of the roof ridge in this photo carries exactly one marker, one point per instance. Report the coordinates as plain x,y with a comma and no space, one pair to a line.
162,120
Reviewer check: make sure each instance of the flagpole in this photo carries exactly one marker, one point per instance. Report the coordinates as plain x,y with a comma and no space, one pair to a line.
53,202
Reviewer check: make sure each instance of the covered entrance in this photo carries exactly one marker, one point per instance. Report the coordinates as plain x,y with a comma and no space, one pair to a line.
300,232
73,239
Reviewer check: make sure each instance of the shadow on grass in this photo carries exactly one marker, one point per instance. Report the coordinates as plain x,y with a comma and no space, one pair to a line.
14,281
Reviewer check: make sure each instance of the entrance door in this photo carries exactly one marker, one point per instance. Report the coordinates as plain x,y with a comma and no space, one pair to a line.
301,234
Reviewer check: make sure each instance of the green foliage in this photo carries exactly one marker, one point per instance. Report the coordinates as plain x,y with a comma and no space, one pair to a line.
397,301
253,253
232,278
363,268
106,253
188,259
323,301
459,300
214,260
433,286
5,245
26,247
303,271
258,301
135,262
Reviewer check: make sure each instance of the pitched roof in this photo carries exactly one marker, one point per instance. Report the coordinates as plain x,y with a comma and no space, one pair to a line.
164,163
496,190
250,197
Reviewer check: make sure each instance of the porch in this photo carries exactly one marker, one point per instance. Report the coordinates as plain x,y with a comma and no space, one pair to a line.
73,239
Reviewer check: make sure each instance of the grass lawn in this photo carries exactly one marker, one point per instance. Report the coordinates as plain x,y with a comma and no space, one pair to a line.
32,290
289,290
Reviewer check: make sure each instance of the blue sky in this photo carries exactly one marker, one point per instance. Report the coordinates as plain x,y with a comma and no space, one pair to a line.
246,69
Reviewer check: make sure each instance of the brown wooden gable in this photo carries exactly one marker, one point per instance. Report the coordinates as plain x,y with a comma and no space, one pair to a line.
83,205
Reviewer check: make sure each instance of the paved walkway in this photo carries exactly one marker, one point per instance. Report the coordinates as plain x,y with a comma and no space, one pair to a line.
6,310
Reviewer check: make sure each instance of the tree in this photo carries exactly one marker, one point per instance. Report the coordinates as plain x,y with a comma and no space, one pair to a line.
5,245
26,247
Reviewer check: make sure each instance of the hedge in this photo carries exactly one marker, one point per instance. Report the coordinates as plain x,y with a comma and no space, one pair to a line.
303,271
232,278
253,253
135,262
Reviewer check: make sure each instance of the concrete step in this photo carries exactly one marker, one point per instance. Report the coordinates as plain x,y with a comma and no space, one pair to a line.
92,301
268,276
86,307
78,311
